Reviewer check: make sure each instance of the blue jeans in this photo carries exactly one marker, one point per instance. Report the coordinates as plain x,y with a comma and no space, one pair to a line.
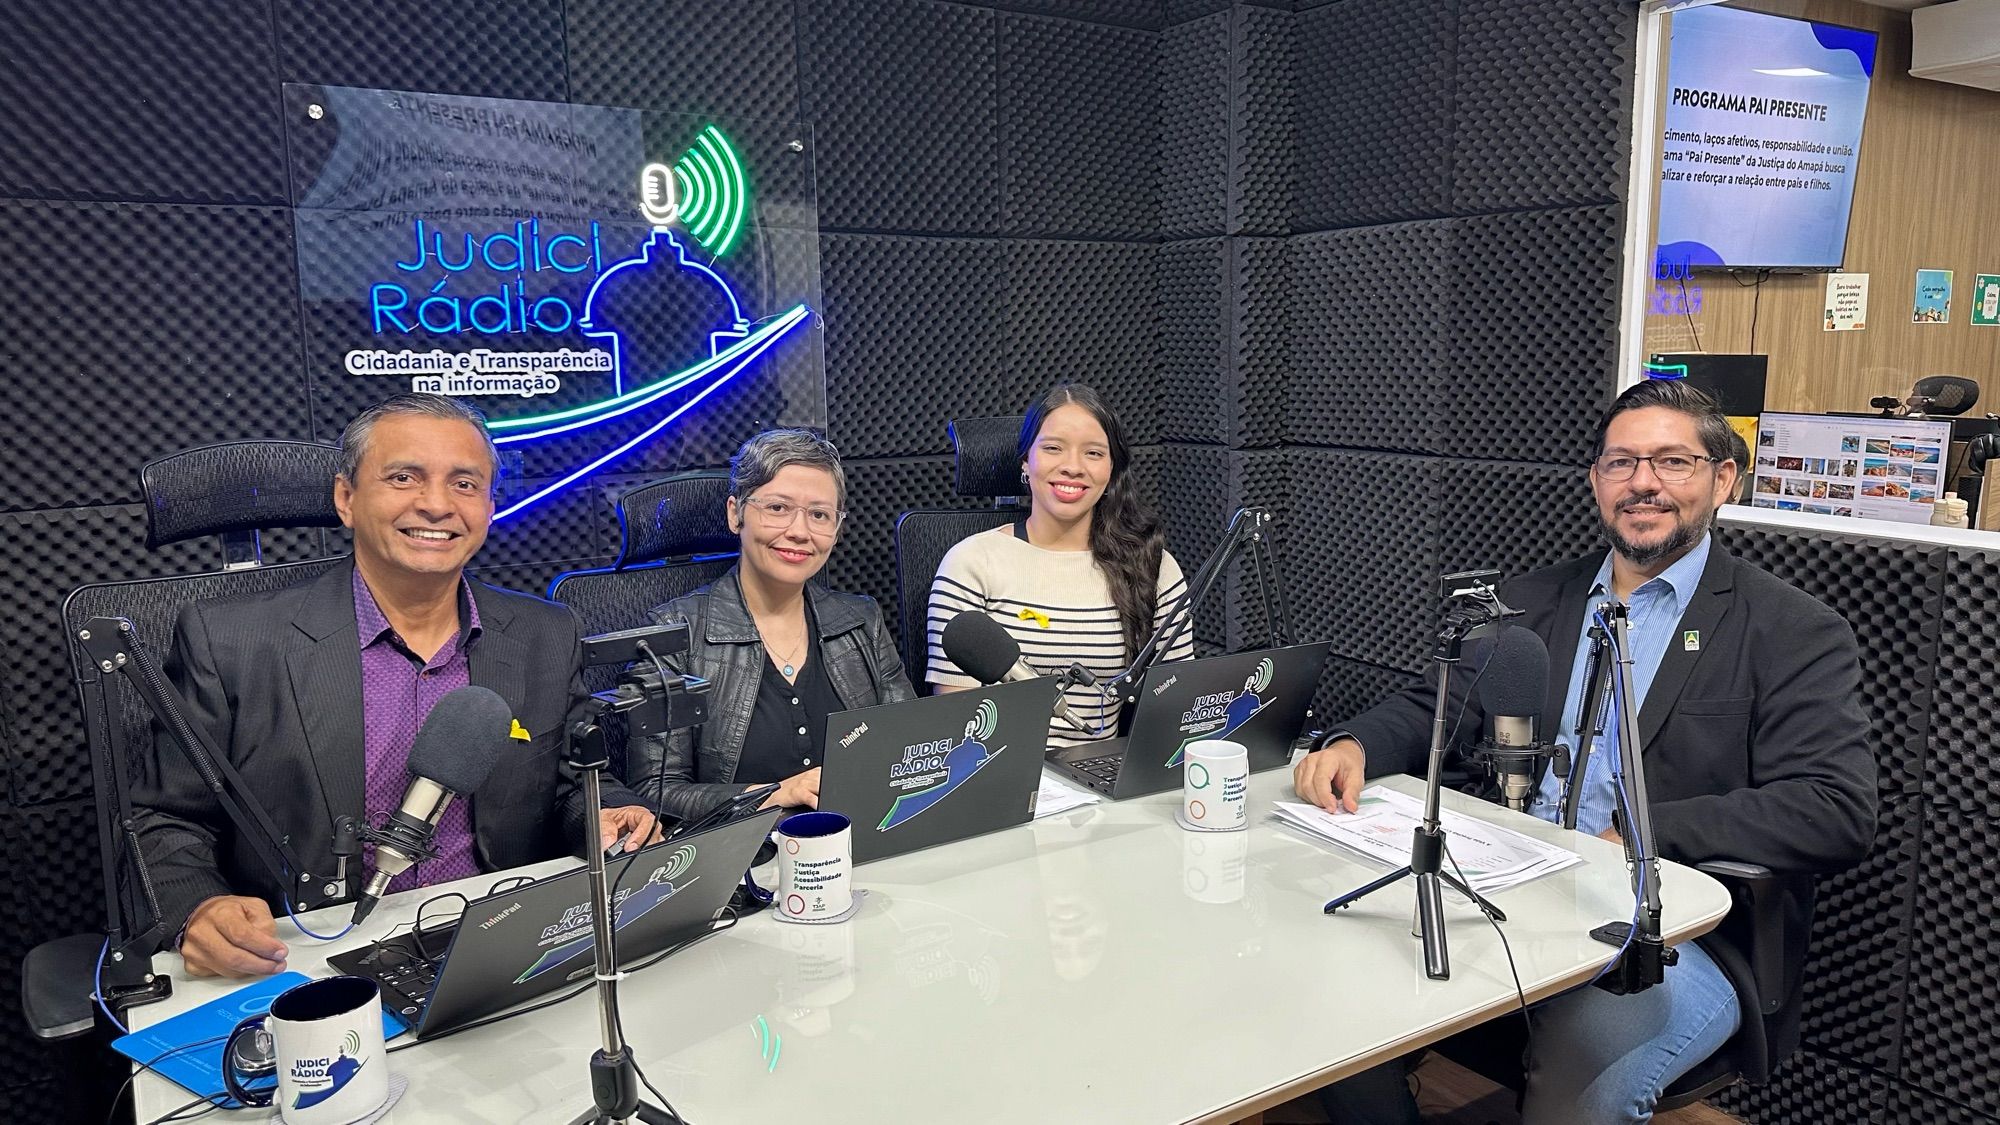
1598,1058
1601,1059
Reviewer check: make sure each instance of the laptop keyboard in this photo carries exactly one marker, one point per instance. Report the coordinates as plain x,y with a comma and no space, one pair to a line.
406,989
1104,767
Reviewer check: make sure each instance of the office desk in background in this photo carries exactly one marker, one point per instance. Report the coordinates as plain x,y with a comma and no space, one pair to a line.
1102,965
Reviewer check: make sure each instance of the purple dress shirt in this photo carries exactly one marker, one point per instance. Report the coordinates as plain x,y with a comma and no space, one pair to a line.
398,689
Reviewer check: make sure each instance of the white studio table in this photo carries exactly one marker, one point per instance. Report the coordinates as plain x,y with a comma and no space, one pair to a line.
1101,965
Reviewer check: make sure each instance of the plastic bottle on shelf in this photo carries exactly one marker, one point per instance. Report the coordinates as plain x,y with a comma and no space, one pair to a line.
1949,511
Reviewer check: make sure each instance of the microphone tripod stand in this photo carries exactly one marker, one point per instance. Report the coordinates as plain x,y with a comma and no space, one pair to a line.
1644,959
1472,609
656,699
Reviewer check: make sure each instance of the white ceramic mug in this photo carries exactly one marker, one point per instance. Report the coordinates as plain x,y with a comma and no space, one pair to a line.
1216,786
324,1040
815,867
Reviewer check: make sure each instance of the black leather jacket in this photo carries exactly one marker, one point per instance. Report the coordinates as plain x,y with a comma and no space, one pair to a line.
861,660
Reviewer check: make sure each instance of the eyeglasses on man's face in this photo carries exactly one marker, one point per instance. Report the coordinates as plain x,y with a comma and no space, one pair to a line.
775,514
1670,467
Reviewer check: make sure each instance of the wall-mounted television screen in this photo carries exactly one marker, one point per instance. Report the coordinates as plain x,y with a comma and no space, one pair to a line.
1762,132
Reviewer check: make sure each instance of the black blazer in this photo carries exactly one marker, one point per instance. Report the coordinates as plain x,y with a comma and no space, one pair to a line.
1755,745
275,679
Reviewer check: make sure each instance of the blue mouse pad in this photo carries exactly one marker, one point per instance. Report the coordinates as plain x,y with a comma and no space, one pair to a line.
188,1047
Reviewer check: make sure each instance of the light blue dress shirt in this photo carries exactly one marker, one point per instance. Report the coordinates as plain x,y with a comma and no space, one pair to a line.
1655,617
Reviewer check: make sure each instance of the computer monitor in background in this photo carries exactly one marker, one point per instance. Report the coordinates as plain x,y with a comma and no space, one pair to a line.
1874,468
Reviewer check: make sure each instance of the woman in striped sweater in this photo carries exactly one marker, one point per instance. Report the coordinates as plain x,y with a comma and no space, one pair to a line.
1084,578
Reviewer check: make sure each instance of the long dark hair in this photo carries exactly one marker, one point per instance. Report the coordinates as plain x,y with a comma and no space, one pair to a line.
1126,538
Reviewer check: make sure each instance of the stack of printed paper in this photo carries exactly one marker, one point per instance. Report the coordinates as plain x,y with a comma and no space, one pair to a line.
1493,858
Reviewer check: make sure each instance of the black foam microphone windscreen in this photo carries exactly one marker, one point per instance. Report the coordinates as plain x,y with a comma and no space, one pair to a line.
462,739
1515,680
981,646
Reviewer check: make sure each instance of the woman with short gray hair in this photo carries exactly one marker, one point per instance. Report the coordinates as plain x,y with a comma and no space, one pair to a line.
780,654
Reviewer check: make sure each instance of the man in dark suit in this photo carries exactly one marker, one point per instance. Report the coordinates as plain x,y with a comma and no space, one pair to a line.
315,693
1754,745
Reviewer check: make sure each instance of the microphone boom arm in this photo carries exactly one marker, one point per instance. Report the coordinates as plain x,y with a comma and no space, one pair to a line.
114,648
1248,530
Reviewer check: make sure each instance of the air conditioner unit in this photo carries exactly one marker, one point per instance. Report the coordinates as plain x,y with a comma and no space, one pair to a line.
1957,42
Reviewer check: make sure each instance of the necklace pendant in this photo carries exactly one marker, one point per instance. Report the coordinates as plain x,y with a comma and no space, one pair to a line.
790,671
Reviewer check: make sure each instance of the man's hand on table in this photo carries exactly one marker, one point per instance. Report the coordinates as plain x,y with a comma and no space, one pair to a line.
232,936
1332,778
634,822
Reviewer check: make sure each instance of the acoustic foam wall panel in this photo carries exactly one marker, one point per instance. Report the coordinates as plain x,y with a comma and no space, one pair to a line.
1261,477
1181,11
1088,312
487,48
1258,342
1194,144
137,330
578,522
1194,501
914,338
45,555
1196,299
1891,594
1858,965
1368,366
1373,105
1143,14
1362,545
903,97
1908,1104
1541,112
727,57
56,891
1811,1089
89,110
1959,768
1952,1035
1079,111
1349,687
1223,340
1263,64
878,491
1531,334
1514,518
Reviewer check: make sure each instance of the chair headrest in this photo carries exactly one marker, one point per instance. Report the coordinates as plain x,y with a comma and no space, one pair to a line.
684,514
986,452
239,486
1949,395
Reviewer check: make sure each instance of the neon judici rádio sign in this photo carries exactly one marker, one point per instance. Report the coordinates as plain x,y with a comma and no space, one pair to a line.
697,208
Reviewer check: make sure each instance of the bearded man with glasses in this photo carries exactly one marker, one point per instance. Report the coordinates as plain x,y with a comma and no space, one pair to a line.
1755,750
780,654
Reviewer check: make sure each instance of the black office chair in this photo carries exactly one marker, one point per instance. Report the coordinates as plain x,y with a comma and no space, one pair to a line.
674,538
231,490
1758,916
1943,396
987,465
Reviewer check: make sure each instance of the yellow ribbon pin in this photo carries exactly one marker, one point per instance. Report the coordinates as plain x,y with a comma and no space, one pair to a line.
1036,616
520,732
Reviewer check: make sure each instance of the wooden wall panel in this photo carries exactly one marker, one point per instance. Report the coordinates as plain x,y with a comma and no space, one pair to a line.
1927,196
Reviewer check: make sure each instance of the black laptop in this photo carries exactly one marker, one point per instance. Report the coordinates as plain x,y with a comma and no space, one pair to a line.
536,938
1260,699
938,768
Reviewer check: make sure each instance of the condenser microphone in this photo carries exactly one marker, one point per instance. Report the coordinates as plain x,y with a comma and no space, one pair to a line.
1513,688
467,733
986,651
